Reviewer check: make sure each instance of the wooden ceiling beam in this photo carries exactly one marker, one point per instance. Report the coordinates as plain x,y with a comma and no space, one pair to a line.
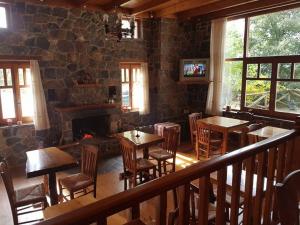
213,7
254,7
113,4
149,6
79,2
183,6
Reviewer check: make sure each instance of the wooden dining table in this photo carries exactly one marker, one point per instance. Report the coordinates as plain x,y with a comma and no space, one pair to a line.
266,132
48,161
141,140
225,125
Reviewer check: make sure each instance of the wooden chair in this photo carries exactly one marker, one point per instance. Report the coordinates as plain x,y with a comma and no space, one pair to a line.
194,199
205,142
135,168
80,182
193,117
22,199
168,151
288,195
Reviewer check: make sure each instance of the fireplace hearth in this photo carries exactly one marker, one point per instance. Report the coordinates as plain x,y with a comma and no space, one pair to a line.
96,126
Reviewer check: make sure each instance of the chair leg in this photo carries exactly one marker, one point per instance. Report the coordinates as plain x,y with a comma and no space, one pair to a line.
71,195
95,190
154,172
125,183
197,150
165,167
159,168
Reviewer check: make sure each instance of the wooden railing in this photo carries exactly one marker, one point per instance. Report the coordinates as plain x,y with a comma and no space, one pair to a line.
277,152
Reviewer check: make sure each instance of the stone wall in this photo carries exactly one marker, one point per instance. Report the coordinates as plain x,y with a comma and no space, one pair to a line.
71,42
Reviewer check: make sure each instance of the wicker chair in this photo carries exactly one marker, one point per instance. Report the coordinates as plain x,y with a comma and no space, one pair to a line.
22,199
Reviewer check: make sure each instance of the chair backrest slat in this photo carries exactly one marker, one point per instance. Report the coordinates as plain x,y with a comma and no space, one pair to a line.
89,160
129,155
171,140
193,117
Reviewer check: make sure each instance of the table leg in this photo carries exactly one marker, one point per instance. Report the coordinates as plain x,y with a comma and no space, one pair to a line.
225,142
146,153
53,189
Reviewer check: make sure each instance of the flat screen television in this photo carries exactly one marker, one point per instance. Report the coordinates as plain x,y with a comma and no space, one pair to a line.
194,69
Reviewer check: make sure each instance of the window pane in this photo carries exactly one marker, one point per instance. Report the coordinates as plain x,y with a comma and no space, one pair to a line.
123,75
28,76
234,41
297,70
288,97
275,34
127,75
232,84
284,70
21,76
3,22
125,94
7,103
8,77
265,70
258,94
26,102
2,82
252,70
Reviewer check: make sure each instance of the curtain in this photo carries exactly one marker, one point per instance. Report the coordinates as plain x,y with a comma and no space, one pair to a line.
217,42
40,114
140,89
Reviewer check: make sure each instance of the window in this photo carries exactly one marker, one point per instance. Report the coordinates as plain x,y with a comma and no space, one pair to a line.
126,28
3,17
15,92
135,87
262,67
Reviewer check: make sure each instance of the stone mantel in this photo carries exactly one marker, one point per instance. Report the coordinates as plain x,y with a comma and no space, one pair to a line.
67,109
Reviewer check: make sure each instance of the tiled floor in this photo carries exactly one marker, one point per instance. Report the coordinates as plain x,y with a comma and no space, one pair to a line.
108,184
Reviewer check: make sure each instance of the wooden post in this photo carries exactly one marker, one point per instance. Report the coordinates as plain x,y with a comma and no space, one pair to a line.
296,150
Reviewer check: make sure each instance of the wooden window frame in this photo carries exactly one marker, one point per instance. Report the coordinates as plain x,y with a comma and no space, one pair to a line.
14,66
130,66
8,15
274,60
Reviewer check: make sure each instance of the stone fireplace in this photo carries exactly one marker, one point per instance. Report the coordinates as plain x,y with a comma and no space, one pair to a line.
102,120
94,126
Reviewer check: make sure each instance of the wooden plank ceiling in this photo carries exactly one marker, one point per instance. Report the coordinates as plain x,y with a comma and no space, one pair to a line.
183,9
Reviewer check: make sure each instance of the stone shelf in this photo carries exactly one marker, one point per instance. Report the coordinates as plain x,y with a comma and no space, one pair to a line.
194,82
85,107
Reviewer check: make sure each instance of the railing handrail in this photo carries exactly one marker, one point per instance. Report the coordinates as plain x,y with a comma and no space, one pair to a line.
124,200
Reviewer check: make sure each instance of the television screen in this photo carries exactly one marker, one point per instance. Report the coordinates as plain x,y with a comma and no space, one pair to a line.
194,69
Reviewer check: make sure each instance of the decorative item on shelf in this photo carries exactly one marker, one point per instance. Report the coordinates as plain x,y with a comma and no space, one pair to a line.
85,78
112,94
228,108
113,25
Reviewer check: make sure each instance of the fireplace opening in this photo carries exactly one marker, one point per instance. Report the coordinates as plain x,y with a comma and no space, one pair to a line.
95,126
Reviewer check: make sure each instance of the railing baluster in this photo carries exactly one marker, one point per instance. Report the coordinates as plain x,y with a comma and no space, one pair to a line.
279,176
259,188
102,221
203,199
184,204
270,186
135,212
235,193
161,209
221,196
248,198
289,157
